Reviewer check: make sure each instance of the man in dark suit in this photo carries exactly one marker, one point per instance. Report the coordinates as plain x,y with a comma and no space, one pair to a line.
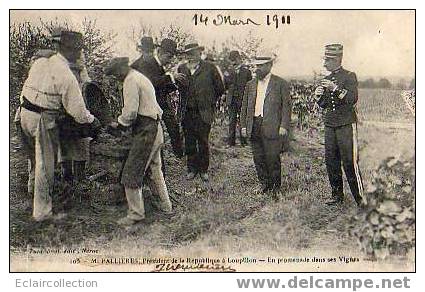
236,80
265,118
199,101
164,83
146,48
338,97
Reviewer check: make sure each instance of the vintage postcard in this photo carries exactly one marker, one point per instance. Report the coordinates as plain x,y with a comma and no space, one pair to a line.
212,140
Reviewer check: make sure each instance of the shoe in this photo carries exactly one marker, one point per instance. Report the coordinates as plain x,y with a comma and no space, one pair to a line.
127,221
362,205
54,218
276,196
190,175
204,177
334,201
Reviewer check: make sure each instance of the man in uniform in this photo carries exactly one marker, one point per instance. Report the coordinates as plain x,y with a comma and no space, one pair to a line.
338,96
236,81
199,100
164,83
265,119
50,91
142,112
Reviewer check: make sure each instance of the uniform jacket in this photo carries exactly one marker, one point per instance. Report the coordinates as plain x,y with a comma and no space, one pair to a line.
340,105
204,88
236,82
157,75
277,107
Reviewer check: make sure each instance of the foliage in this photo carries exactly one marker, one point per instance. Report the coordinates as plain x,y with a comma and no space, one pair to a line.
304,105
27,38
387,226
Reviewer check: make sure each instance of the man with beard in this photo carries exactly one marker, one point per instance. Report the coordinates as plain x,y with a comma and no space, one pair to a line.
199,100
164,83
265,119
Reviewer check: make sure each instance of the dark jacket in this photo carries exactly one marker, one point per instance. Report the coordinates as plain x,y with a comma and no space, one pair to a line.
203,89
235,82
156,74
340,105
276,109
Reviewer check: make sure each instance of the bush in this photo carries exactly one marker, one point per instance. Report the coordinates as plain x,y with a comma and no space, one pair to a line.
26,39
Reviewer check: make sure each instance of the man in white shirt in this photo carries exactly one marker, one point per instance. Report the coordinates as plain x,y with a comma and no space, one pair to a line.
50,90
265,119
142,112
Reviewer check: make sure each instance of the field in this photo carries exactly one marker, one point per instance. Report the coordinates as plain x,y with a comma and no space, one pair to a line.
227,218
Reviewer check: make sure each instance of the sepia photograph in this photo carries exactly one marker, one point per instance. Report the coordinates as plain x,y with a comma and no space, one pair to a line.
212,140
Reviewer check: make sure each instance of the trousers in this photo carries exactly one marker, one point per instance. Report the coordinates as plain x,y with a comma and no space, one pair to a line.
154,179
266,153
42,139
234,115
196,135
341,147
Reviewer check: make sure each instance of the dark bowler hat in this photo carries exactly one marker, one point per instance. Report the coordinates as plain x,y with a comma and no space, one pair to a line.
146,44
112,66
333,51
191,47
71,39
68,38
234,55
168,46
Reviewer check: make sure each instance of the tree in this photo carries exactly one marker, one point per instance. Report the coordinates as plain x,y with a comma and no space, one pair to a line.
383,83
25,40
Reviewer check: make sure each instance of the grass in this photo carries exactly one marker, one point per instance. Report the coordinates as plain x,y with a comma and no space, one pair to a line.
226,217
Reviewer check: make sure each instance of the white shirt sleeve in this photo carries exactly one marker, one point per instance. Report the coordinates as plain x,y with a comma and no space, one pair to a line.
131,102
72,99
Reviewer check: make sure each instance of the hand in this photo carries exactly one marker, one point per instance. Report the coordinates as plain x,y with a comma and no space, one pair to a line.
328,84
96,125
319,91
243,132
179,77
113,125
283,131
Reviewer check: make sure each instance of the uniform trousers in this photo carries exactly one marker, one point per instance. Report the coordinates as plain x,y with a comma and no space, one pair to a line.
341,147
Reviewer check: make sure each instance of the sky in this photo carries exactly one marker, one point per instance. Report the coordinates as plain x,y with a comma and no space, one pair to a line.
376,43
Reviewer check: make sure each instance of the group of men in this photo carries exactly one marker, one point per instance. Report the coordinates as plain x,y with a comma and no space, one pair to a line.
260,105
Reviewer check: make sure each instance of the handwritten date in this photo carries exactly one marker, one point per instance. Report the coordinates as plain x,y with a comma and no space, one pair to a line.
269,20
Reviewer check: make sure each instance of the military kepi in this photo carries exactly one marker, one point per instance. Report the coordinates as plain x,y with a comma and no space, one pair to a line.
333,51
